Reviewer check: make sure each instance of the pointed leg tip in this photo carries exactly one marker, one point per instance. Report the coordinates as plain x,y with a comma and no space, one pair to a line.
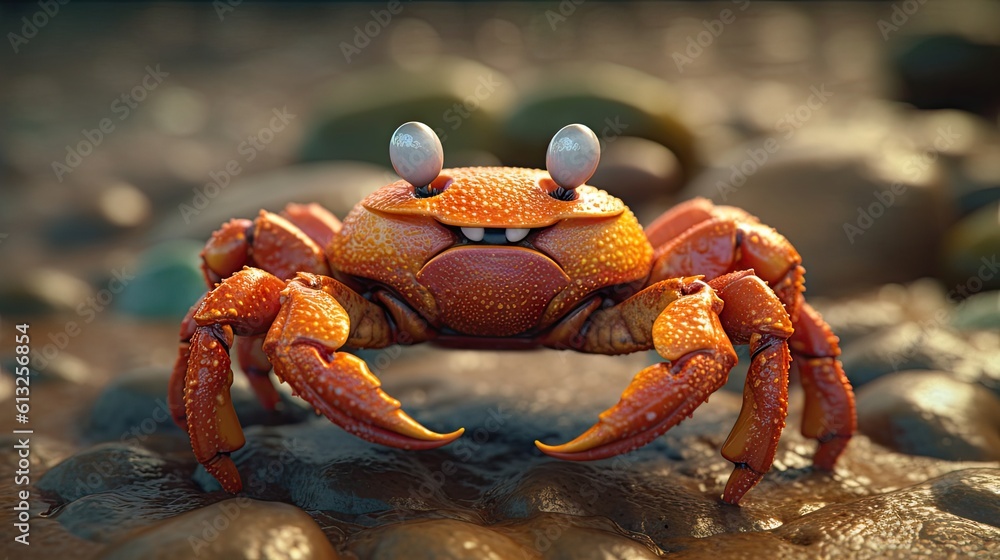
740,482
828,452
224,470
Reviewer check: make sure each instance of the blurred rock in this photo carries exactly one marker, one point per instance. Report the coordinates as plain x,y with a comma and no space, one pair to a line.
930,345
888,306
980,311
123,205
972,252
612,100
41,290
829,190
946,71
458,98
168,280
930,413
337,186
133,407
238,529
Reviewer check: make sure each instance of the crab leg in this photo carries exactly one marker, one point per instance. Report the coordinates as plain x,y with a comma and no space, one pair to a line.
245,303
339,385
698,354
175,388
298,234
255,365
829,410
754,315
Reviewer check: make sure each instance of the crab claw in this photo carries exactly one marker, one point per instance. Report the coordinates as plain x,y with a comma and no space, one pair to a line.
688,334
337,384
658,398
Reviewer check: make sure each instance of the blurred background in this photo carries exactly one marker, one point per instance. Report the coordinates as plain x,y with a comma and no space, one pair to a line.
866,132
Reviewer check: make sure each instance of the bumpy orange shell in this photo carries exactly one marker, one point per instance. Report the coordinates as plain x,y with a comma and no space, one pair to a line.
494,197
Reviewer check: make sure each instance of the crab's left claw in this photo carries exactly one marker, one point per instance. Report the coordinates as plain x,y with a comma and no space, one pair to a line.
689,335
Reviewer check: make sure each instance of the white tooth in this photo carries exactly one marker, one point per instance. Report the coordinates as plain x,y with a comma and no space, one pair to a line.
474,233
516,234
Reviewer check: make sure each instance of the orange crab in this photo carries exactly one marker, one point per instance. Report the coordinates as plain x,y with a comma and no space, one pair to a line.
508,258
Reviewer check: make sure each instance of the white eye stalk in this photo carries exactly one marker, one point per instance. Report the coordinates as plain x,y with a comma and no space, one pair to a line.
416,153
573,155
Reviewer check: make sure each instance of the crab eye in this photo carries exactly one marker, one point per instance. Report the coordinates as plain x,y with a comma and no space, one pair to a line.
572,157
416,155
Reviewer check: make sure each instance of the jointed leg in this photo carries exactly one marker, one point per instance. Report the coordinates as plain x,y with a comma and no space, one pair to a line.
281,245
753,315
829,410
697,237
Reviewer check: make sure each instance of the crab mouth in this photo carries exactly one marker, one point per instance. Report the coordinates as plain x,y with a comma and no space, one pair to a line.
492,281
493,236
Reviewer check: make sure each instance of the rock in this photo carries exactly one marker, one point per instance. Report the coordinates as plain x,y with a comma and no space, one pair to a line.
612,100
133,407
168,280
930,413
980,311
123,205
929,345
971,253
458,98
103,468
934,519
828,190
433,539
40,291
491,485
336,186
946,71
852,318
236,529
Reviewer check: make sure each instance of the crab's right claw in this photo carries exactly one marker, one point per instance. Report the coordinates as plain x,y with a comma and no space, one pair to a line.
339,385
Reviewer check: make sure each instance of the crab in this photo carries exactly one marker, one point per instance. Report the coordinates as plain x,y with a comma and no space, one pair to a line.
508,258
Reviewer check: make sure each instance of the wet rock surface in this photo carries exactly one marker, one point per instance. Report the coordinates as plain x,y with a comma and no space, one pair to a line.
491,494
239,528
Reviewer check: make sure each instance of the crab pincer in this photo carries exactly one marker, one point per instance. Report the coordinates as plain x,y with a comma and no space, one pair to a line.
305,327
